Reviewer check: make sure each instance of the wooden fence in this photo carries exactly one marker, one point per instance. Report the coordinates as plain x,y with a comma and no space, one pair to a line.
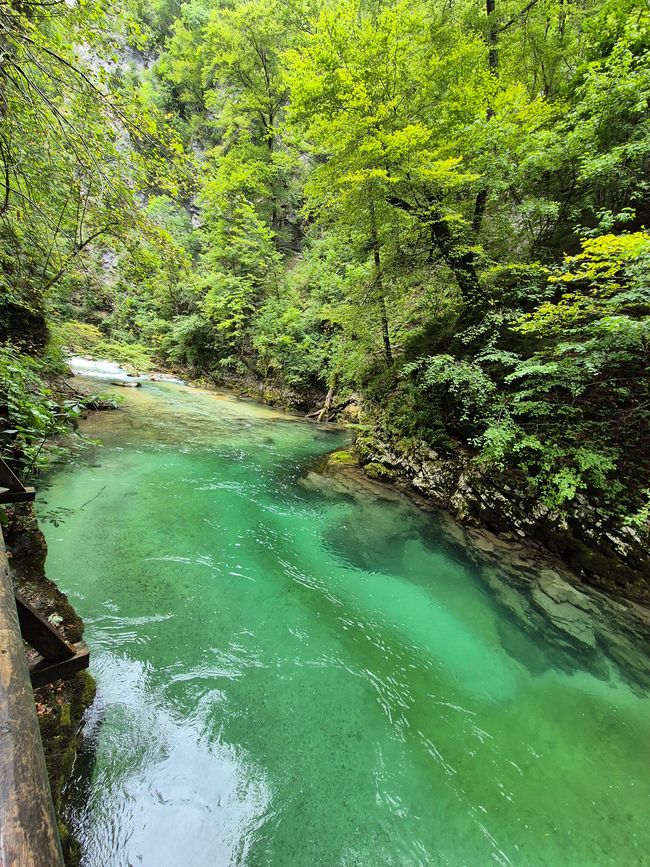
28,828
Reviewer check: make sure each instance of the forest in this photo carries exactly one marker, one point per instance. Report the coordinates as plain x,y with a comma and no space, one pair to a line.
360,563
439,207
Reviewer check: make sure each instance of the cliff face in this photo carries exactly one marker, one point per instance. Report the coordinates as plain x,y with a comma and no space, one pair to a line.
60,706
601,550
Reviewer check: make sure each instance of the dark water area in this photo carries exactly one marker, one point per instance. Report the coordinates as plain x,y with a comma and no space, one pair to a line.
293,676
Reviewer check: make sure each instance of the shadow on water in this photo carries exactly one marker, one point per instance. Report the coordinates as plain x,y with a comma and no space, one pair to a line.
78,789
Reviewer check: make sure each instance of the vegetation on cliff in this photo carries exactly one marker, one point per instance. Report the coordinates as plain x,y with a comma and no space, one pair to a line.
441,207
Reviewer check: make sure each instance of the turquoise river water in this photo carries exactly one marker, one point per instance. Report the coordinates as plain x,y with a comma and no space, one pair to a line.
289,675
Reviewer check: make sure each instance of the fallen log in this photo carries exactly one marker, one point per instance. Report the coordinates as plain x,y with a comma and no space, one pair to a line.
328,415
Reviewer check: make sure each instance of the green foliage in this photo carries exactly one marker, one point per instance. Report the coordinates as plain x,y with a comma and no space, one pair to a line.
80,338
570,410
31,413
189,342
439,208
462,382
286,339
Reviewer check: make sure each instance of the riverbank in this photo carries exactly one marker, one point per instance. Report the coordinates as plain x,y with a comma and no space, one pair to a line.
533,585
597,548
60,706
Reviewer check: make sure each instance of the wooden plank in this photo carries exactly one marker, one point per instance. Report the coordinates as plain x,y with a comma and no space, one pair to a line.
39,632
26,495
44,671
12,489
28,829
8,478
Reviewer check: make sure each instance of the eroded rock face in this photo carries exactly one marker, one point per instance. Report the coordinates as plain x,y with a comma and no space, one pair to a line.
600,549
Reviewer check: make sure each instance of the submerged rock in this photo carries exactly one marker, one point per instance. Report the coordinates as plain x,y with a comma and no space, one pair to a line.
567,608
537,592
599,547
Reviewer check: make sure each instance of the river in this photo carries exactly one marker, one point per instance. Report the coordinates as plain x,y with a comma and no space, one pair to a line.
289,675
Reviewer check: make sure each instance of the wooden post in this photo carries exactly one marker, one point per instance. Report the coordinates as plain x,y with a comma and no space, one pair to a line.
12,489
40,633
28,829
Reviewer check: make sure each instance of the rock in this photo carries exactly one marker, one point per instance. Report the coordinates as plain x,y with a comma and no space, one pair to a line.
378,472
560,590
342,457
569,609
453,530
350,413
349,481
482,543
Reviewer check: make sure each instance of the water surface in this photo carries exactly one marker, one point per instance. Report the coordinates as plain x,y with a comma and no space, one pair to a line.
291,676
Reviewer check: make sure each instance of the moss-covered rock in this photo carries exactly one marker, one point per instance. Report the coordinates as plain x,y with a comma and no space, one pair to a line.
379,472
366,448
343,458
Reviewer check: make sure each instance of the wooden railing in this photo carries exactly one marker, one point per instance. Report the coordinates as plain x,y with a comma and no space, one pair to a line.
28,828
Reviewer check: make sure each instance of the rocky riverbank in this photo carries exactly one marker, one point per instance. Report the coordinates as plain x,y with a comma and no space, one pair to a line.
602,550
531,584
60,706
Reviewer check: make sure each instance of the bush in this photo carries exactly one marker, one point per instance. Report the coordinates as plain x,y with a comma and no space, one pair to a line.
77,337
31,413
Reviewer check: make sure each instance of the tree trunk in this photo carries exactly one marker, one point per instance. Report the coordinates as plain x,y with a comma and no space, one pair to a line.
379,286
388,353
493,37
460,261
493,63
479,210
329,399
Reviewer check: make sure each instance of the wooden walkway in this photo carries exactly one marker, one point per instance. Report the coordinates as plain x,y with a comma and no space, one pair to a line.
28,827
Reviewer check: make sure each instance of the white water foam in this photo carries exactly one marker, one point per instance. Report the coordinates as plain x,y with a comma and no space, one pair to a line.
113,372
